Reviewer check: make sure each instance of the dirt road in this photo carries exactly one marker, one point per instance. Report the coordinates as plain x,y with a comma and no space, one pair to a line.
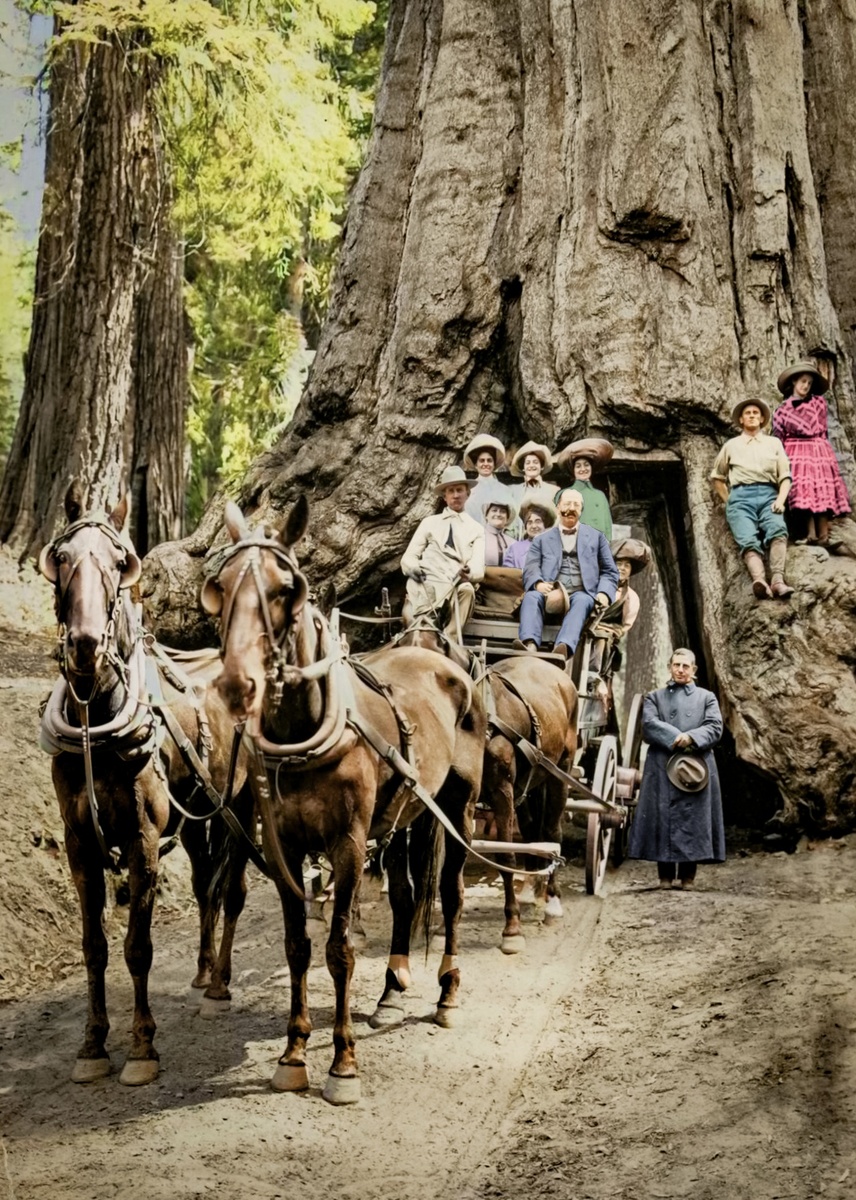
655,1045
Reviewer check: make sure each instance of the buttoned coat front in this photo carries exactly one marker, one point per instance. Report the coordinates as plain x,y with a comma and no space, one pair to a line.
597,566
672,825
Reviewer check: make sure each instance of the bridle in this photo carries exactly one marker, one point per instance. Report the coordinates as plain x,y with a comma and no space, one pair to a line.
279,646
113,592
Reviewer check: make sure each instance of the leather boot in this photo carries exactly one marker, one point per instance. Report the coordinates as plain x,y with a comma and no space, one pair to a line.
778,550
755,567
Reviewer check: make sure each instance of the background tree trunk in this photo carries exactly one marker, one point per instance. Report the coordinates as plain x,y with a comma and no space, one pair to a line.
611,219
106,381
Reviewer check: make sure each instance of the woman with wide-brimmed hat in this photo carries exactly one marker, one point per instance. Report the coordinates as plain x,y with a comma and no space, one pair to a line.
583,459
531,463
483,457
752,476
800,422
631,556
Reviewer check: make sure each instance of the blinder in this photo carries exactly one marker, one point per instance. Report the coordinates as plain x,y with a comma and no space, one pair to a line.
130,567
211,594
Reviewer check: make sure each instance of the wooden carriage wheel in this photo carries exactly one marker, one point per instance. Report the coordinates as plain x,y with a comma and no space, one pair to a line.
633,749
598,834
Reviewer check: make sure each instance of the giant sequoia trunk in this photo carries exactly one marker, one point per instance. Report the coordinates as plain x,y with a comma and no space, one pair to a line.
614,219
106,380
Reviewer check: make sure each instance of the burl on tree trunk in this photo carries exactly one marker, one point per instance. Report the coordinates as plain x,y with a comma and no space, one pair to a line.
612,219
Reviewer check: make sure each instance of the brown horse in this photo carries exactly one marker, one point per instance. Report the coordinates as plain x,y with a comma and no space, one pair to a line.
537,701
115,769
328,731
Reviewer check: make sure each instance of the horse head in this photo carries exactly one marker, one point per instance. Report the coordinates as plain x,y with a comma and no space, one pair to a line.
90,564
259,593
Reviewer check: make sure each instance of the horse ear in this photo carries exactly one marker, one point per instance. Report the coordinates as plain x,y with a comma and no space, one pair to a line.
296,522
119,515
327,598
74,501
48,565
131,571
211,597
235,523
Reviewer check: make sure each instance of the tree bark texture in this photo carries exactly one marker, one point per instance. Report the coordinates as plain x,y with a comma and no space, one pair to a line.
106,381
618,219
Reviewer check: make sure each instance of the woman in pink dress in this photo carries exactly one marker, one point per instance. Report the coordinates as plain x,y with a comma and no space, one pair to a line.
800,423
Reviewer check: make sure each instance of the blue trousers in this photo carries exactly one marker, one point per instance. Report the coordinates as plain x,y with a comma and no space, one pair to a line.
751,518
532,618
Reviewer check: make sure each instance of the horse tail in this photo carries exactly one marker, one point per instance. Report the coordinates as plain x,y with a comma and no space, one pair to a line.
426,842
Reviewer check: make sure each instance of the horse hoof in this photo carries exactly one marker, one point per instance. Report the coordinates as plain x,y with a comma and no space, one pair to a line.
513,944
210,1008
139,1071
342,1089
290,1077
387,1015
553,910
86,1070
526,895
445,1017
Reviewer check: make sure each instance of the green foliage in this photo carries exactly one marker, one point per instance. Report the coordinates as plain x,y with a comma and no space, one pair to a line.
17,268
266,109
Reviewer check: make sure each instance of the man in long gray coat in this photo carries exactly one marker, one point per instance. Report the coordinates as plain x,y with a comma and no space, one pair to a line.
678,820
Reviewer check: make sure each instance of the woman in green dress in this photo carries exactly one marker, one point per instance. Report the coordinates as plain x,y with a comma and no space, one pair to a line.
584,458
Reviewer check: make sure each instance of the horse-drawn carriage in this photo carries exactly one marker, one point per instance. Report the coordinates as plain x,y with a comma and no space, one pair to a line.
603,784
334,749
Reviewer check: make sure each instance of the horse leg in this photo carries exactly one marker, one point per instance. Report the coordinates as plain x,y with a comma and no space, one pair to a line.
234,854
554,808
141,1065
500,786
290,1074
349,855
390,1007
194,840
93,1061
452,900
218,998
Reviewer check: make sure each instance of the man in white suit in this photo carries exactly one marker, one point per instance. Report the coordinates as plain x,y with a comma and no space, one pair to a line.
445,555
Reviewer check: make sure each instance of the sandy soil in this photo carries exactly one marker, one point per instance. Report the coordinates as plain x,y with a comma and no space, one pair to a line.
653,1045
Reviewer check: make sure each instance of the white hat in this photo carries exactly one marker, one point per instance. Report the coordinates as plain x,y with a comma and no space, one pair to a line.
484,441
536,448
450,476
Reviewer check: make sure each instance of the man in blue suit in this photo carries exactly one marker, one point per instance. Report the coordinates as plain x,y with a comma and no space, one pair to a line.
569,558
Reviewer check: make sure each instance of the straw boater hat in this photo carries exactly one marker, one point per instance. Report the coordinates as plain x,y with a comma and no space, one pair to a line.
484,441
637,553
819,384
741,404
498,502
450,476
543,453
597,450
547,510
